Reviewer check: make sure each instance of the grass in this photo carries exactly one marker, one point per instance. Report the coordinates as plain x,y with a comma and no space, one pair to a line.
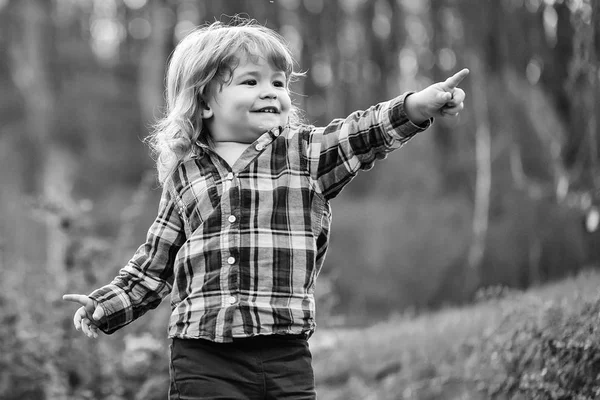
454,353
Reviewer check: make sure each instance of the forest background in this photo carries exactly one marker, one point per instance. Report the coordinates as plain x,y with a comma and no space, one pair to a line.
505,196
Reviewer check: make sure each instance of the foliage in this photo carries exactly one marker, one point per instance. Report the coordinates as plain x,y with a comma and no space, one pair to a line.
21,362
538,344
556,356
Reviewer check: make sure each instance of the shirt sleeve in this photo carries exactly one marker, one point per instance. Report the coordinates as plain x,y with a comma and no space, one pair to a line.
335,153
148,276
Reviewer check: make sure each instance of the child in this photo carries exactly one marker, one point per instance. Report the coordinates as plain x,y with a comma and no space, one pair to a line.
243,222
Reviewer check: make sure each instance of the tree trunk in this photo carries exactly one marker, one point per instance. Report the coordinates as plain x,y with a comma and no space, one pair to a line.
483,181
152,62
594,66
444,139
49,177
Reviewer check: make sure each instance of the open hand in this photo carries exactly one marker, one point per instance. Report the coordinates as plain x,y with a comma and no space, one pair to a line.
442,99
86,315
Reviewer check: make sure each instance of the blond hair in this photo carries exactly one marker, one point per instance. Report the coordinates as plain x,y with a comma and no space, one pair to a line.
206,55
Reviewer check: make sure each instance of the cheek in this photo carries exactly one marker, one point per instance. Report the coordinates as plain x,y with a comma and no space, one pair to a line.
239,107
286,102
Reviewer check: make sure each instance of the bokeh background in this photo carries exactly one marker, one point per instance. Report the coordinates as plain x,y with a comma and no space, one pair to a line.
506,196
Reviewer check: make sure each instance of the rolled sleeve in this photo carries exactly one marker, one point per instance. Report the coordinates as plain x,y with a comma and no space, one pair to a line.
116,306
399,125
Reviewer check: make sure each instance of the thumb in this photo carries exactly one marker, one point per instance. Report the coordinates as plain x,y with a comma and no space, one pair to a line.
444,97
98,313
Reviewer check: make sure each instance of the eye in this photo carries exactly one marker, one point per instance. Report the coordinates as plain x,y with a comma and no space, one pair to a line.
251,82
280,84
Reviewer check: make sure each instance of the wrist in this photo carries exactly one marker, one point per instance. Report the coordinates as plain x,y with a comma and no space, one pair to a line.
413,110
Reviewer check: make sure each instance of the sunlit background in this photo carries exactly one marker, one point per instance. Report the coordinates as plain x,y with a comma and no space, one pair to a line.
502,200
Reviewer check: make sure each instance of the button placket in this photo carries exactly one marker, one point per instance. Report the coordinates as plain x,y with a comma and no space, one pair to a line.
232,260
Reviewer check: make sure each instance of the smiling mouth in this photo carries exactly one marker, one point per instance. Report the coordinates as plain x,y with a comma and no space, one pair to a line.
268,110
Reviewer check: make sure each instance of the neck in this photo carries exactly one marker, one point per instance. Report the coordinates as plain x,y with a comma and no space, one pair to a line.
229,144
230,151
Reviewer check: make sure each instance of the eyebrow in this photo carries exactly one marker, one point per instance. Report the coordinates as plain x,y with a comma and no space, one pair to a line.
256,74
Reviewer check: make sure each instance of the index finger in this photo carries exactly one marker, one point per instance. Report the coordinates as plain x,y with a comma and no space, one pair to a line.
455,79
76,298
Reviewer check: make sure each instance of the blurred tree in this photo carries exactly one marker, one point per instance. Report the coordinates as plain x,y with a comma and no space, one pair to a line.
483,165
33,68
156,49
441,42
594,106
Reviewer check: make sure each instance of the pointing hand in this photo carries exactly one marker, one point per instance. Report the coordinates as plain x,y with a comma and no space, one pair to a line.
451,97
85,317
442,99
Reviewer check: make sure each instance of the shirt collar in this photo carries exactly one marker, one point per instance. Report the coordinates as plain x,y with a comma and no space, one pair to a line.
202,144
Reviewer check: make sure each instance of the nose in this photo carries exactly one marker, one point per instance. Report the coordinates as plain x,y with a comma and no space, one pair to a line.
268,92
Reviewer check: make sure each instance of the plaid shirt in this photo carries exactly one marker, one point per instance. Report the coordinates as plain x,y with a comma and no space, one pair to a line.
239,248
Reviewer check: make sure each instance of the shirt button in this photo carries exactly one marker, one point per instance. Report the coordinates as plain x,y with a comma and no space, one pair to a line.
259,147
230,176
231,218
232,299
230,260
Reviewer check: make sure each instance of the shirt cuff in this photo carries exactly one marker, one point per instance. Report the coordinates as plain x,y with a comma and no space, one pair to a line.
400,122
116,306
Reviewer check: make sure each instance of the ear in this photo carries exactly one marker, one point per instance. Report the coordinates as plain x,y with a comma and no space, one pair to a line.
205,110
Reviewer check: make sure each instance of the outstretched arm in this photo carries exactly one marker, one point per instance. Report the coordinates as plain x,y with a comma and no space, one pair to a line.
141,284
336,152
442,99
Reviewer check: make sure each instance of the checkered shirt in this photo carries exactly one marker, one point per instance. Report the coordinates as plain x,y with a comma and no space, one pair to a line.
239,248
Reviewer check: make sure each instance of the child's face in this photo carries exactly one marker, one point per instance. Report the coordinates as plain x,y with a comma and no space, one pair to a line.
254,101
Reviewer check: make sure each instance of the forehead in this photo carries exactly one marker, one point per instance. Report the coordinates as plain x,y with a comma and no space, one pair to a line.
252,62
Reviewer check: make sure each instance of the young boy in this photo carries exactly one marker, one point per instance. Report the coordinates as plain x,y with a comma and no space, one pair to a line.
243,223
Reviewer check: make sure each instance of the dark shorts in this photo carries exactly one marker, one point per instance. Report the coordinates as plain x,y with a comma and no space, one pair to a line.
262,367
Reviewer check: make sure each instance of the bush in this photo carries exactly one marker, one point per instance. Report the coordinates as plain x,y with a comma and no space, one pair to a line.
551,352
21,371
540,344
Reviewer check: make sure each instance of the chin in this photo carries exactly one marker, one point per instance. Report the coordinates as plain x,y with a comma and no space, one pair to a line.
267,127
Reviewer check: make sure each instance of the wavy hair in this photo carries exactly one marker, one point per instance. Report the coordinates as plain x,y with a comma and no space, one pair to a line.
209,54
